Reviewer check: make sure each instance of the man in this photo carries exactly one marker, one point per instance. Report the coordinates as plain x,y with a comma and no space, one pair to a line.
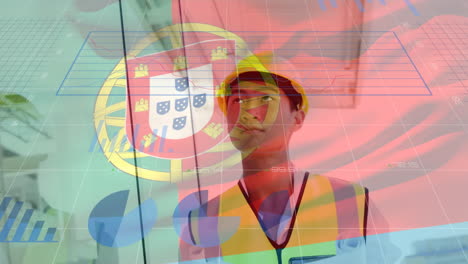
285,215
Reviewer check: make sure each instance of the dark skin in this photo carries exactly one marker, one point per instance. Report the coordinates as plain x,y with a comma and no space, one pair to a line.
261,122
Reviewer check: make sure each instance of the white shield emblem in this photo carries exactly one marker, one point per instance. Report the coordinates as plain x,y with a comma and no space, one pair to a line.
173,99
180,97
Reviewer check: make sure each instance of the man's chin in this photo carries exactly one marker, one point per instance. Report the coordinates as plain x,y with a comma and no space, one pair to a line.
259,149
244,146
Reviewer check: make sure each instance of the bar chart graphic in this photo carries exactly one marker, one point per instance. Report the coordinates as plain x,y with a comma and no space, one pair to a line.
10,235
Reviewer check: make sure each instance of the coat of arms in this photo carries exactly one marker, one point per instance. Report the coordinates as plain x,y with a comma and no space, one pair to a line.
173,111
156,115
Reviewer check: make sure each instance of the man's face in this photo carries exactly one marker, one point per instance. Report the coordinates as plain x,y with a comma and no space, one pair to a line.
259,117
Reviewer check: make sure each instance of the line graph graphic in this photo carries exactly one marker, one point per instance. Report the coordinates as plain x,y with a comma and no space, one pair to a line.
18,236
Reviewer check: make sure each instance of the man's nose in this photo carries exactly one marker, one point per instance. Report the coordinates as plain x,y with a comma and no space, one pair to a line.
246,118
252,110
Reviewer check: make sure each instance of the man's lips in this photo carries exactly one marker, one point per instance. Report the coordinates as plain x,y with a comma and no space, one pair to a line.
250,129
253,131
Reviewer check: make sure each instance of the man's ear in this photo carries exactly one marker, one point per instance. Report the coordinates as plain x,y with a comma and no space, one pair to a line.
299,119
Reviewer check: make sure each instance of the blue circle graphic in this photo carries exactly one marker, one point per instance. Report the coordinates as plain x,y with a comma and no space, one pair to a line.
110,226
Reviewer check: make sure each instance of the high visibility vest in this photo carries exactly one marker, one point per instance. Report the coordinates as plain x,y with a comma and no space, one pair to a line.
330,211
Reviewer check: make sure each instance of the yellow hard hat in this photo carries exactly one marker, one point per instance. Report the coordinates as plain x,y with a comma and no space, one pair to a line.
267,65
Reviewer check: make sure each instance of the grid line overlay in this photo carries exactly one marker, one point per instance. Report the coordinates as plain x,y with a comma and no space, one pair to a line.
449,45
399,76
26,46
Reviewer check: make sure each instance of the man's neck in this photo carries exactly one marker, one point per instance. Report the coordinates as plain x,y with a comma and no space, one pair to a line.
267,174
